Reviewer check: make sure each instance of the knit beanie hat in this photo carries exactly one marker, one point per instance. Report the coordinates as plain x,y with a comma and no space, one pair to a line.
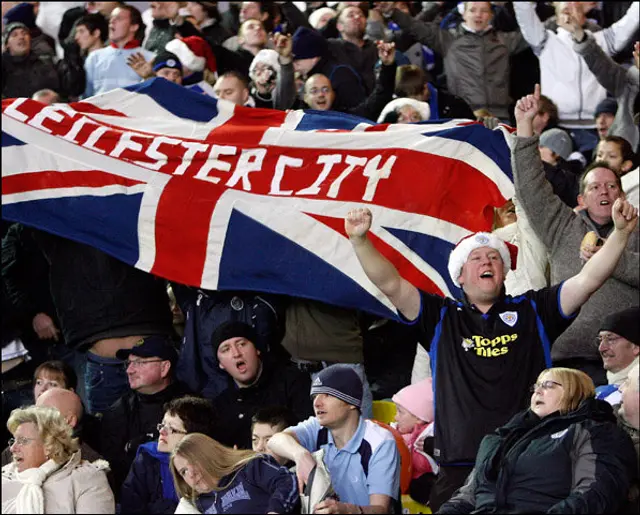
417,399
267,56
339,381
422,107
557,141
194,53
468,244
314,17
308,43
228,330
9,29
166,60
624,323
21,13
608,105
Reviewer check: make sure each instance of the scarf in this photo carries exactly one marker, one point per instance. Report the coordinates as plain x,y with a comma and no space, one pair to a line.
619,377
30,499
168,489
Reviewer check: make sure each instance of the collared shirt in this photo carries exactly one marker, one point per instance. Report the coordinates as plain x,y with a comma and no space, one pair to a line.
107,69
345,465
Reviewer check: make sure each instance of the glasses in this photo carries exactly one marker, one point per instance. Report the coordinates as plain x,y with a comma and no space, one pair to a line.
325,89
137,363
608,339
170,430
21,440
545,385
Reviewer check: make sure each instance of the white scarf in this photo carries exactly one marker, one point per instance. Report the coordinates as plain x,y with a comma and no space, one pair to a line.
30,499
620,376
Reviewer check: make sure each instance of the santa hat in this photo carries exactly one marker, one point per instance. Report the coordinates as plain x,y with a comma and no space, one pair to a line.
417,399
422,107
267,56
468,244
194,53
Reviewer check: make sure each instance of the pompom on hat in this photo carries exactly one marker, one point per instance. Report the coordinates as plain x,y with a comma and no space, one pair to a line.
194,53
468,244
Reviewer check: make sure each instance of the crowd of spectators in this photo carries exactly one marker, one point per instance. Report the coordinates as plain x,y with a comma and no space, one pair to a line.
126,393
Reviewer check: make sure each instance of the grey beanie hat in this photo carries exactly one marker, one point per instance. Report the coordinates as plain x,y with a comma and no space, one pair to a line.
557,141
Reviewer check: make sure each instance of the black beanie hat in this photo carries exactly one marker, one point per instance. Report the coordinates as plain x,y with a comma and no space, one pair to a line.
339,381
308,43
228,330
624,323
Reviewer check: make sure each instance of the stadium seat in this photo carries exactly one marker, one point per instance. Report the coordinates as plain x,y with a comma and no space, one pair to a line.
384,411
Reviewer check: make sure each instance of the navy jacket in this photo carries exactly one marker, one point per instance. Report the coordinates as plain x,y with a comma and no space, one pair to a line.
580,462
261,486
149,486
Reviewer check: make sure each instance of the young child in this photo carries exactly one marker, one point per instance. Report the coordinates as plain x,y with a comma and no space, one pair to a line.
266,423
414,421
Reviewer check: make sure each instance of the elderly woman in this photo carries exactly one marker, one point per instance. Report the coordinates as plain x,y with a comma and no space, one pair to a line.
212,478
149,486
47,474
405,110
563,455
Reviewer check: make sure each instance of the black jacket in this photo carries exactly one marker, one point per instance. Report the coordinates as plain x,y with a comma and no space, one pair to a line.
580,462
131,421
380,97
97,296
163,31
23,76
345,81
278,385
363,59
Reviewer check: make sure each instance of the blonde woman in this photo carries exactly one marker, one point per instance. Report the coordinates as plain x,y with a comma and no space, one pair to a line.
564,454
212,478
47,474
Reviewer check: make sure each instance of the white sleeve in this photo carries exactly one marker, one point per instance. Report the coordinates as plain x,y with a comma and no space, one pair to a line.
532,28
421,365
614,38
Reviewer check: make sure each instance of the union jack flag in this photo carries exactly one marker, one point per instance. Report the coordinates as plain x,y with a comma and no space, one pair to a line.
223,197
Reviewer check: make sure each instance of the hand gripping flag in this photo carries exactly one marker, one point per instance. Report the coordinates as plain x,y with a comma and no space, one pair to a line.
218,196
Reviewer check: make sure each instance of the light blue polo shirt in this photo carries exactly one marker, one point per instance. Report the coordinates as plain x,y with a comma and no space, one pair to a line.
345,466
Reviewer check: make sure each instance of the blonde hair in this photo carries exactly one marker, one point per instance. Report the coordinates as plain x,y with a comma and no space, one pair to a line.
577,386
212,459
55,432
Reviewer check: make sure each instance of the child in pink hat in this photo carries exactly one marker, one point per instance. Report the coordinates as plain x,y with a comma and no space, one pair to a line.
414,421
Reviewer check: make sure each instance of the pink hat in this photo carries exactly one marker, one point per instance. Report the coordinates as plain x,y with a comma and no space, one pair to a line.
417,399
468,244
194,53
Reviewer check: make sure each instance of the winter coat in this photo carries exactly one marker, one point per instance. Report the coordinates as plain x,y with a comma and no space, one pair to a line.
476,64
97,296
278,385
620,82
132,421
362,59
23,76
580,462
149,487
564,77
214,33
77,487
164,31
562,231
345,80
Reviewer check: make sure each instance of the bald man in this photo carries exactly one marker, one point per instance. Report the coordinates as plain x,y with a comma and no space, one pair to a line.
70,406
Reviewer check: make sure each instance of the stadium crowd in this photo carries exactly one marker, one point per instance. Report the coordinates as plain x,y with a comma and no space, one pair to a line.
126,393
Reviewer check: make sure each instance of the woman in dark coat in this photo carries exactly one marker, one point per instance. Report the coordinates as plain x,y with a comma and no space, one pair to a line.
564,454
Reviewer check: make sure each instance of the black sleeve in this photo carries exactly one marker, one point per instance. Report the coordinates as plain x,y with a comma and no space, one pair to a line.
113,440
300,400
381,95
294,16
348,88
134,497
187,29
546,303
424,325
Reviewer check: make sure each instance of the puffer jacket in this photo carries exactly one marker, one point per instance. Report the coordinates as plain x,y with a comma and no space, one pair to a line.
476,65
77,487
23,76
564,76
580,462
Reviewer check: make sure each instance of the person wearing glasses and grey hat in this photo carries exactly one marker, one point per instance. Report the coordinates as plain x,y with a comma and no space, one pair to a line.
132,419
149,487
564,454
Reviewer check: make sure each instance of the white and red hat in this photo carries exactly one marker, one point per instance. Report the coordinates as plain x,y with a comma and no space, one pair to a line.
194,53
468,244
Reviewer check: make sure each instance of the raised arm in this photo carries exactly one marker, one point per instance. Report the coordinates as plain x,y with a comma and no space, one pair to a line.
531,27
285,93
577,290
402,294
428,33
613,39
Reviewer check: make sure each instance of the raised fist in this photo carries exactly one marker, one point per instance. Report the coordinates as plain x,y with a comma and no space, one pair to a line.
358,222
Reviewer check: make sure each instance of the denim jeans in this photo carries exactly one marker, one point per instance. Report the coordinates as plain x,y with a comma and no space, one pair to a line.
105,382
367,397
